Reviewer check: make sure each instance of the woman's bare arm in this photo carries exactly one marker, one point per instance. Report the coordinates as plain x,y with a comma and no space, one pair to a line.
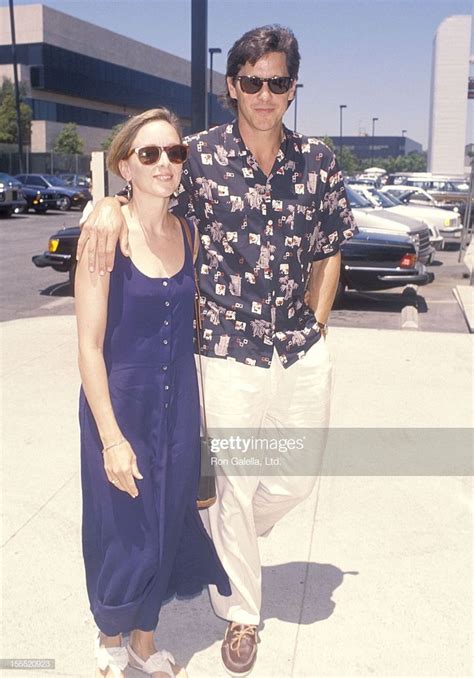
101,230
92,290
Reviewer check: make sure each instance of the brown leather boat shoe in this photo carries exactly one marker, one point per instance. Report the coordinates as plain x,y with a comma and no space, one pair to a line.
239,649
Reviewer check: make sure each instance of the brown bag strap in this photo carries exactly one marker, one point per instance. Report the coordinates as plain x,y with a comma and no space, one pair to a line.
197,313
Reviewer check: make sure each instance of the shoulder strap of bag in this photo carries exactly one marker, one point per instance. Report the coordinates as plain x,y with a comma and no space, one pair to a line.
197,314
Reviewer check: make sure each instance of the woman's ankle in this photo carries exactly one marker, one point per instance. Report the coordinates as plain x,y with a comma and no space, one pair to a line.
110,641
142,642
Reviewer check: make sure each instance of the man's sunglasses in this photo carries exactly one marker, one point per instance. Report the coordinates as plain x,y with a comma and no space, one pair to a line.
251,84
149,155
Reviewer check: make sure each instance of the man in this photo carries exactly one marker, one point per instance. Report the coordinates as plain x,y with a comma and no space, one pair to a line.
272,212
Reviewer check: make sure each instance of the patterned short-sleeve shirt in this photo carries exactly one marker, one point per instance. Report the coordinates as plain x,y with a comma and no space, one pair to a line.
259,237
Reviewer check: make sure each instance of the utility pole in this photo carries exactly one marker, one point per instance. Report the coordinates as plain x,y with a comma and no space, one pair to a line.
17,88
212,51
198,65
341,107
374,120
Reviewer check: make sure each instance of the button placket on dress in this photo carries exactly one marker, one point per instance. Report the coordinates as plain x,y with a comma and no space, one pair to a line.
166,342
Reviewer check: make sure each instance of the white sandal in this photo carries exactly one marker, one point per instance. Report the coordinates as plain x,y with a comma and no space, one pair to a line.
115,658
159,661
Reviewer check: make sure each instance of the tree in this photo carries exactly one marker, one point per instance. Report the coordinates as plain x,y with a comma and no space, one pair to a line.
68,140
105,145
348,162
8,126
329,142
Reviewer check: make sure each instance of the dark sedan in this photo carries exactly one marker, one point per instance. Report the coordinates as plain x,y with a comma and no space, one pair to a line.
370,261
37,199
67,196
379,261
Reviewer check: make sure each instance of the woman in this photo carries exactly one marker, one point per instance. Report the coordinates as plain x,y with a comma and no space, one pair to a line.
143,540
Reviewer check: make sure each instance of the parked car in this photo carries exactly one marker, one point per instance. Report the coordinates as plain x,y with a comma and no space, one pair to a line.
450,190
386,201
80,180
11,195
370,261
448,220
68,196
380,220
37,199
379,261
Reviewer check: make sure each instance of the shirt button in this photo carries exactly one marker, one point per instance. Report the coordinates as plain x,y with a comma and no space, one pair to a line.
167,303
272,257
165,341
164,368
165,283
166,404
167,388
166,323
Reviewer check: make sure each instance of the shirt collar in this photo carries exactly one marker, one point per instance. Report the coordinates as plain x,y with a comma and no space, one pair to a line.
236,141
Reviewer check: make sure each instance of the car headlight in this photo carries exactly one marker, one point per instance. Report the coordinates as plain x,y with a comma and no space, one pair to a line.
53,244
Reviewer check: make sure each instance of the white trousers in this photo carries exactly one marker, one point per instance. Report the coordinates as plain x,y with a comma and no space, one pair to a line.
244,397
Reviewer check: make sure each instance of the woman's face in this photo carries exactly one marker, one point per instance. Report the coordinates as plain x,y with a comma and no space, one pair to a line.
162,178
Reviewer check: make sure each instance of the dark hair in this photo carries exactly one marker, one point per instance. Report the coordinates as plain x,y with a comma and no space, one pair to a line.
254,44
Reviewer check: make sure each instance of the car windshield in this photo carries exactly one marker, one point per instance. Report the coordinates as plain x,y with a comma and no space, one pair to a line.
386,200
6,177
356,200
54,181
462,186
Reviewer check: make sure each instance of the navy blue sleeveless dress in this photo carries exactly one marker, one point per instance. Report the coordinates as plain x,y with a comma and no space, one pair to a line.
139,552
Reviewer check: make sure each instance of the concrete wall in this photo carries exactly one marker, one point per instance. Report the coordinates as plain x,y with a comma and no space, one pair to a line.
449,83
44,133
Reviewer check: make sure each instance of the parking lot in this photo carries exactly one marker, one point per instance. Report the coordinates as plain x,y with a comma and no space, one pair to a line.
27,291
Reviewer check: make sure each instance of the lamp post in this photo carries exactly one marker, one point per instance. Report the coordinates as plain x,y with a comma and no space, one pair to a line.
341,106
298,85
16,87
374,120
404,132
212,51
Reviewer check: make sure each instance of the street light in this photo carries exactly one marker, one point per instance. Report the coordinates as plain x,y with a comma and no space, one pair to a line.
212,51
404,131
341,106
374,120
296,102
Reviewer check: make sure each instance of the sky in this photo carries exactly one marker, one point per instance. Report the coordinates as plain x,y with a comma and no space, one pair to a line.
374,56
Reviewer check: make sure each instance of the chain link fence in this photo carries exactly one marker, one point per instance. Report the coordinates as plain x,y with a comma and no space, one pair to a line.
43,163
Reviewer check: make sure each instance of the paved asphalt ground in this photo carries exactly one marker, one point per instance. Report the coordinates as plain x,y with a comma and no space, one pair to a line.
370,577
27,291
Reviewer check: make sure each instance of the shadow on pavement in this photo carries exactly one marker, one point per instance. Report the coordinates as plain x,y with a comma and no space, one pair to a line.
62,289
296,593
381,302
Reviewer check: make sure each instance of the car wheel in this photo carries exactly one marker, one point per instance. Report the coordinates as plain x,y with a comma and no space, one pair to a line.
72,277
6,212
21,210
64,203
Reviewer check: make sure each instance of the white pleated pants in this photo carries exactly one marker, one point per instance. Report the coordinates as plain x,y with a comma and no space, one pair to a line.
248,505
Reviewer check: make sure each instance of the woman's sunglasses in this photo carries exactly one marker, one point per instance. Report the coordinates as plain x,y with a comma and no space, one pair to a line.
251,84
149,155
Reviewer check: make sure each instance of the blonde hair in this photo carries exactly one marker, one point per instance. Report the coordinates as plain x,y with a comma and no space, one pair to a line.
122,143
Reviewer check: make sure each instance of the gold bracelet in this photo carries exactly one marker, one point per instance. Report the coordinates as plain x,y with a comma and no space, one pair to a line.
109,447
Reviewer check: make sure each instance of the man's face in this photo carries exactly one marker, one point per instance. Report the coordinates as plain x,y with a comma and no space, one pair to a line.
264,110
